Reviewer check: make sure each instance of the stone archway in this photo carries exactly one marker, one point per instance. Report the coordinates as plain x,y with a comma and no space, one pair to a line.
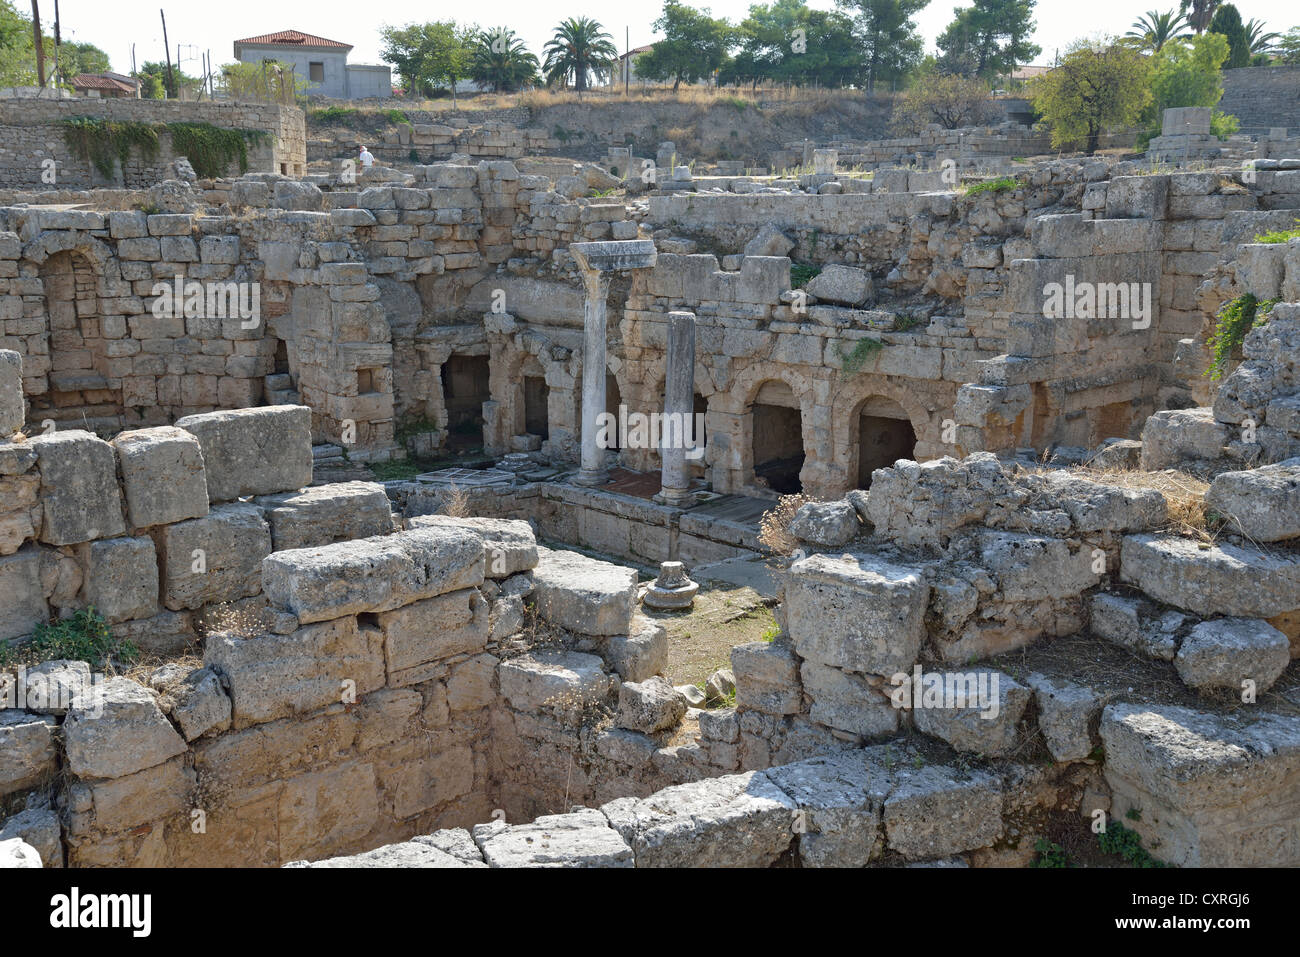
884,435
80,384
776,438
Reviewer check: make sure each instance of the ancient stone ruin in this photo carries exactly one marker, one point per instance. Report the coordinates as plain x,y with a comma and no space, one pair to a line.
454,515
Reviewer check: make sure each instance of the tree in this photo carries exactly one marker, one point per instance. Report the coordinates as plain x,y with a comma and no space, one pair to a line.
500,60
1288,47
1227,22
1186,73
1258,40
1095,87
694,46
947,99
787,42
77,58
989,38
17,55
579,47
888,36
1154,30
1199,12
157,84
429,56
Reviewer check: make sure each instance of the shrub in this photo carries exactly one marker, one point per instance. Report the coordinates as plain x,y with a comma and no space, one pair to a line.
1236,318
774,527
83,637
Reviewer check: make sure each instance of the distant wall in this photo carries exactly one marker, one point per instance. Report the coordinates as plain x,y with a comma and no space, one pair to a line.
1262,97
30,135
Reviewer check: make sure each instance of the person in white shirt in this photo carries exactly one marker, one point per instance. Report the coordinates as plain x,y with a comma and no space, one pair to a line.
365,157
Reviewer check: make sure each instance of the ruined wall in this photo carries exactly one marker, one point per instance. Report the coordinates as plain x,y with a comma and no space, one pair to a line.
31,132
1262,97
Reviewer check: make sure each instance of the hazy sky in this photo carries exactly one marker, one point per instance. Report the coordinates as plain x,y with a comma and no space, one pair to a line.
199,25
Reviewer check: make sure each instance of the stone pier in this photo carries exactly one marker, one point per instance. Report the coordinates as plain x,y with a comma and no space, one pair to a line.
679,406
596,261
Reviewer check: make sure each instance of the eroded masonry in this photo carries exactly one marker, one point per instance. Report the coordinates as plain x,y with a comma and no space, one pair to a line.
1045,571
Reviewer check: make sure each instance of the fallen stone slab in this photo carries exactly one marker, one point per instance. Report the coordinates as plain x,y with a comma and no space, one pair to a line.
326,514
581,838
584,594
1225,653
257,451
27,749
456,841
1223,579
825,524
194,699
640,653
738,820
846,285
1136,624
373,574
856,612
1206,790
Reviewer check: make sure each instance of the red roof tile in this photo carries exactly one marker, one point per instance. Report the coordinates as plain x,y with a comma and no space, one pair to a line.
293,38
99,81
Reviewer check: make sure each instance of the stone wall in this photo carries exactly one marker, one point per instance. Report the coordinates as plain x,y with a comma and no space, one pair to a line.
31,134
1262,97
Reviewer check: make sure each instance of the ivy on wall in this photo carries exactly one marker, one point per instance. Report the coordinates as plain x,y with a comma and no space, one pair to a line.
210,149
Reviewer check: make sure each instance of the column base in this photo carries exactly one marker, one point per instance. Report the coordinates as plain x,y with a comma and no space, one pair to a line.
591,477
675,497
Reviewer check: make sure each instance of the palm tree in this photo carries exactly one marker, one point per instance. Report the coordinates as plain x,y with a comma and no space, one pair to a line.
579,47
1260,42
1202,12
500,60
1154,30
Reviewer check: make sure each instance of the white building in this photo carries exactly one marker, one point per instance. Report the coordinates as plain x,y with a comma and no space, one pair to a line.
322,63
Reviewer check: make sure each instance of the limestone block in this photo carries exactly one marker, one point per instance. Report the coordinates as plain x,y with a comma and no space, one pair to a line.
1224,579
1170,439
640,653
27,749
17,853
78,488
1226,652
420,636
253,451
372,575
162,475
649,706
825,524
510,544
846,285
1133,624
978,711
121,578
581,838
856,612
116,728
1263,503
584,594
841,797
560,682
12,404
739,820
406,854
325,514
194,698
852,703
23,607
769,241
217,558
934,811
275,676
41,830
767,677
1067,716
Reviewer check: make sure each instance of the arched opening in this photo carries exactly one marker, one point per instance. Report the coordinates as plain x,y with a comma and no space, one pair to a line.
885,435
777,438
79,385
465,387
700,407
537,396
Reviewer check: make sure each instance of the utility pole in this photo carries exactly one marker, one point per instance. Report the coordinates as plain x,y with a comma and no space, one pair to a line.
167,53
56,42
627,58
212,90
40,45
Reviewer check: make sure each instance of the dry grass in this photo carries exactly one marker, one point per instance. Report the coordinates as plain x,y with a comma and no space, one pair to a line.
455,503
774,527
1184,494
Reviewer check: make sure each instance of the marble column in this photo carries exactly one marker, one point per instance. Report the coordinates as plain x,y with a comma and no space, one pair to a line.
679,410
596,282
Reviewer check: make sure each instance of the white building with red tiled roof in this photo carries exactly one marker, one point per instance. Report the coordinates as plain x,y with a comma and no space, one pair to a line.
323,63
